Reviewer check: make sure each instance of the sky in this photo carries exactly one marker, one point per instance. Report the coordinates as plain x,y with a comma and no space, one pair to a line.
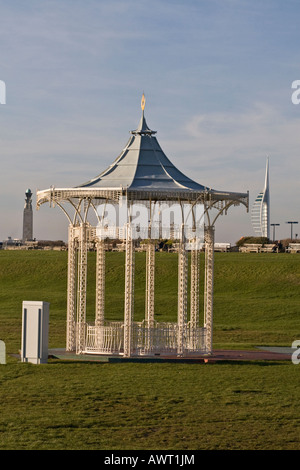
217,77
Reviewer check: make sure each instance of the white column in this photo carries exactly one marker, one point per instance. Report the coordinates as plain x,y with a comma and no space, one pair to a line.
129,294
209,286
81,289
149,302
194,302
71,293
150,275
182,296
100,283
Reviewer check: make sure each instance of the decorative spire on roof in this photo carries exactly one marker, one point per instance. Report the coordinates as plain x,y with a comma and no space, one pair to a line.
143,128
143,102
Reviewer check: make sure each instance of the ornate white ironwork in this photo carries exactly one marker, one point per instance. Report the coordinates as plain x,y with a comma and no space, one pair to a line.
71,298
137,338
209,286
150,275
129,293
109,338
100,282
81,295
162,183
182,296
150,289
194,300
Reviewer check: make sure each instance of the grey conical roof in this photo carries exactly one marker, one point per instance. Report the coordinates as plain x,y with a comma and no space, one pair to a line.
142,172
143,166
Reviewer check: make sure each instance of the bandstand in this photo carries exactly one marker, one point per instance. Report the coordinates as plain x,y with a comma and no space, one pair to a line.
141,180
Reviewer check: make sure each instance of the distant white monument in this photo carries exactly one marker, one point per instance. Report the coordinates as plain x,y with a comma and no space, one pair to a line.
28,217
260,215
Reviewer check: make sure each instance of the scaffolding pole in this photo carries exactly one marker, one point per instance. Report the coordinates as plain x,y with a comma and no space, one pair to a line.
129,293
209,287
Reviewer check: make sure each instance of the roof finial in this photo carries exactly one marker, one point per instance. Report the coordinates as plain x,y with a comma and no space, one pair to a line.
143,102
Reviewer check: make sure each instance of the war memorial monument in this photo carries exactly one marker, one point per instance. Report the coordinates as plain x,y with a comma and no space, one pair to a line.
28,217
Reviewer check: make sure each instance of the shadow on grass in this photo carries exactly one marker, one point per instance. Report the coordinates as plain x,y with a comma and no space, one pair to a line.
260,363
247,363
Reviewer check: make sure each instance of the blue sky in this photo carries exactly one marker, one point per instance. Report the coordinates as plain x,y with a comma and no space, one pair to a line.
217,78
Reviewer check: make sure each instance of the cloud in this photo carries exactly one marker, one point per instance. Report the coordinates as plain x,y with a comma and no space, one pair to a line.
263,127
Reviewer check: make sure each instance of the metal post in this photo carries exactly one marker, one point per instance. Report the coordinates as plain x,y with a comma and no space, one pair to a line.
292,223
71,296
100,283
194,316
209,288
182,295
82,281
150,273
149,303
129,293
274,225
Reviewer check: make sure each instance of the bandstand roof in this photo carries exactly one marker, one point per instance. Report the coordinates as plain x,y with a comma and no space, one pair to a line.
141,171
143,166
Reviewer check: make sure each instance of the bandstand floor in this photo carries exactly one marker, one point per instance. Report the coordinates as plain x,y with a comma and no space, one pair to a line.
259,354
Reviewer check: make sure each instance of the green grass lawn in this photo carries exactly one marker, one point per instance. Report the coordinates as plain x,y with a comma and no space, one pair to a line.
134,406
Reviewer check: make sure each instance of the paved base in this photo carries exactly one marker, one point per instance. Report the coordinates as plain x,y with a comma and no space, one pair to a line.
265,354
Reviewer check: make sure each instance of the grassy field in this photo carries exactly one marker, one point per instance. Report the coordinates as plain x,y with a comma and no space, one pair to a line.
75,405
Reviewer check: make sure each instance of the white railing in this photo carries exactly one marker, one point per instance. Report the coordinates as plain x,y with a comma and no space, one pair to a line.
106,339
161,338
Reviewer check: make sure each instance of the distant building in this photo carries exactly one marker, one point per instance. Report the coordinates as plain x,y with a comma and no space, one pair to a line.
11,243
28,217
260,215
